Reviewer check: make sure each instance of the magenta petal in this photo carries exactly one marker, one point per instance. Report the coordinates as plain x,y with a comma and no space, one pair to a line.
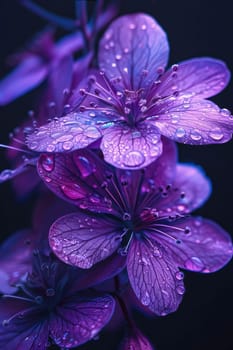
133,48
83,240
193,121
73,131
203,245
203,77
79,320
135,340
22,79
129,148
152,275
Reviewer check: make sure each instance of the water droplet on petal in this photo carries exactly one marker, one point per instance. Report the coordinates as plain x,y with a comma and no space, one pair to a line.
216,134
179,276
175,118
118,57
180,132
84,166
225,112
180,290
133,158
194,264
47,162
50,148
73,191
92,132
195,135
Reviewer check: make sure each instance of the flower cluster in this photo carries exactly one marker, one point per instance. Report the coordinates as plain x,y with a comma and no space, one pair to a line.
113,203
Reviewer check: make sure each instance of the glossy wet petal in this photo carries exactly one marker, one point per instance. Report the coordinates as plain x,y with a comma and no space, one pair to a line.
83,240
133,48
200,245
152,275
22,79
128,148
203,77
193,121
79,320
73,131
161,172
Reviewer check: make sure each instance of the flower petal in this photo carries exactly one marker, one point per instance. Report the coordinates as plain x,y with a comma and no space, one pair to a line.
83,240
203,77
22,79
161,172
73,131
79,320
135,340
15,259
193,121
129,148
189,190
133,48
199,245
152,275
26,331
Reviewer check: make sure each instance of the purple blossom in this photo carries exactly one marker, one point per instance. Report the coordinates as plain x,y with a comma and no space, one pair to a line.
43,55
141,214
54,303
132,102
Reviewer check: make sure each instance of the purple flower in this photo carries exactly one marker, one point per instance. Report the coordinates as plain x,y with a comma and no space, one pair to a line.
133,102
142,214
54,303
42,57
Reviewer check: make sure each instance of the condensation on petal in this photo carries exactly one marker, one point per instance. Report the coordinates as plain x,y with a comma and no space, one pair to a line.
83,240
193,121
74,131
203,77
152,275
128,148
131,51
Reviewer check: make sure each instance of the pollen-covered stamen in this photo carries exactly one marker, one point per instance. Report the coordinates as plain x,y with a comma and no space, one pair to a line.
107,94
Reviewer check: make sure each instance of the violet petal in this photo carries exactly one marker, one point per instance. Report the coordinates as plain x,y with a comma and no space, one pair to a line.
15,259
189,191
22,79
133,48
199,245
79,320
203,77
129,148
152,275
26,331
83,240
73,131
193,121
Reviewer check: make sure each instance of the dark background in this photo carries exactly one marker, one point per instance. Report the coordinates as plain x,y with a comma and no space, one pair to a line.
194,28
